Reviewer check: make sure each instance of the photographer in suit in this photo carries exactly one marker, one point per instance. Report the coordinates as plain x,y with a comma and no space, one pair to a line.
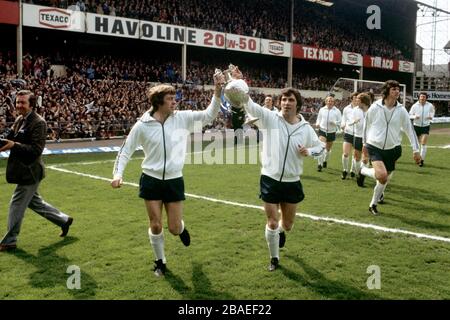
26,141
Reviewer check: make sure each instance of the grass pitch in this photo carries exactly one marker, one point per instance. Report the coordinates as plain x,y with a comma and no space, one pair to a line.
228,255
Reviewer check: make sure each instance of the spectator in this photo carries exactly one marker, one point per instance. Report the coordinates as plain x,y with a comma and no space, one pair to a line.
313,25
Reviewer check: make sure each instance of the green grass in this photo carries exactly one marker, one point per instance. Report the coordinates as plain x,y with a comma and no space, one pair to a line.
228,255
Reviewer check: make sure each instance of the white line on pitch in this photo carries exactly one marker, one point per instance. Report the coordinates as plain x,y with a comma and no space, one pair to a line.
141,158
302,215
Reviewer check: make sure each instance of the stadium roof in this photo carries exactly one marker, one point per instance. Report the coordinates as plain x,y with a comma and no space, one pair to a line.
432,7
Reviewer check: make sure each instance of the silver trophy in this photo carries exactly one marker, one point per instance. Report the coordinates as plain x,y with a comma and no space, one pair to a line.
236,91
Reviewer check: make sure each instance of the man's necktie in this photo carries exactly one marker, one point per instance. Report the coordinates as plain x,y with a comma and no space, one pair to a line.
20,125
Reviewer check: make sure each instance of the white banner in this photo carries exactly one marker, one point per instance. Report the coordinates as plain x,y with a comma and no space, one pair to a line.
205,38
406,66
441,120
112,26
275,48
53,18
434,95
352,58
242,43
163,32
68,20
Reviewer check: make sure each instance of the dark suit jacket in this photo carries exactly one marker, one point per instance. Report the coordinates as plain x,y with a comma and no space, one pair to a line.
25,165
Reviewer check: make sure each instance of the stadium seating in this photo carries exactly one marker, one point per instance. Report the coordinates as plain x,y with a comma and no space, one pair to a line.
314,26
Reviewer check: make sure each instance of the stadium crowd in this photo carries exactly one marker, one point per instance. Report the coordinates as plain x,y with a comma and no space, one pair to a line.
313,26
100,97
153,70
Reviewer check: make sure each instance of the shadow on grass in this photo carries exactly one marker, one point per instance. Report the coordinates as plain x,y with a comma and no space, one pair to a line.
419,171
425,167
317,282
51,270
202,286
415,208
312,178
424,225
435,167
332,171
415,195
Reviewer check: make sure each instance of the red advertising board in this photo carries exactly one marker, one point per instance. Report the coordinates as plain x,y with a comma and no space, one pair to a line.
318,54
9,12
381,63
350,58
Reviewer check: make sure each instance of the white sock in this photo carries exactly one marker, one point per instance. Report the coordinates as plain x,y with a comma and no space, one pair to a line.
377,191
423,151
320,158
352,168
327,154
389,178
182,227
157,242
324,157
345,163
357,166
273,241
368,172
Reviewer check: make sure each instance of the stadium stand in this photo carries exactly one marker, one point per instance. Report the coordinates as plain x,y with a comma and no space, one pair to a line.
314,26
101,95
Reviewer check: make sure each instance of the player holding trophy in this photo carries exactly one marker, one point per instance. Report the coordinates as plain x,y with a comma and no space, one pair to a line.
288,140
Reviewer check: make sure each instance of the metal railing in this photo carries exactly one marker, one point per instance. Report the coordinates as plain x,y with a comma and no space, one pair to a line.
93,129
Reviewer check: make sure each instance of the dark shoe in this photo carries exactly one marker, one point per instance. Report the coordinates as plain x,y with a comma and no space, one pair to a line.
381,200
352,174
65,227
319,168
421,163
185,237
273,264
360,179
160,268
8,247
373,210
344,175
324,164
282,239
